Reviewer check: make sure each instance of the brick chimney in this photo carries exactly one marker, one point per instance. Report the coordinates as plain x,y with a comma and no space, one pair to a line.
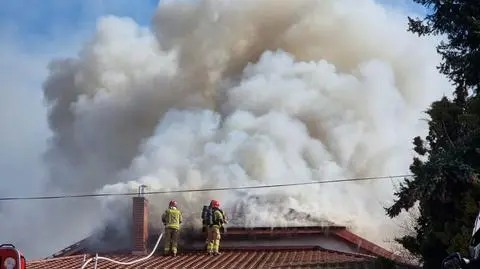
140,223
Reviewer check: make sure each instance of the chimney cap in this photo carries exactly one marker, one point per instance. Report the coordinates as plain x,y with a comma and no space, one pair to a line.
141,190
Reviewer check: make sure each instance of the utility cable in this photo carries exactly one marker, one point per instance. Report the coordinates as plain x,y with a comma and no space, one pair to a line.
198,190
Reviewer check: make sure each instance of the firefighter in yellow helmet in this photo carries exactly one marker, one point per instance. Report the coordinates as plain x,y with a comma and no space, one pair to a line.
216,221
172,218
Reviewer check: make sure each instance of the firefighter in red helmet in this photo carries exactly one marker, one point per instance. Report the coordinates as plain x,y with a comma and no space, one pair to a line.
172,218
216,220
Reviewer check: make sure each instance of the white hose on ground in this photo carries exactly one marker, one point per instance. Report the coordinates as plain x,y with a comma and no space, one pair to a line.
97,258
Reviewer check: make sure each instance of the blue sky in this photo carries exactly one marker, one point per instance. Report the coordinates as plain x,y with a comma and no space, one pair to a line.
32,33
31,20
43,17
35,20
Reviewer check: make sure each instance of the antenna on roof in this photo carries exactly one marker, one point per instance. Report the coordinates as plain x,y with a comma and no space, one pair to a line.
141,190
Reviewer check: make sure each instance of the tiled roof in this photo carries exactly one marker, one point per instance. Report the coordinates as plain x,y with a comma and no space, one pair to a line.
286,258
233,234
258,247
362,243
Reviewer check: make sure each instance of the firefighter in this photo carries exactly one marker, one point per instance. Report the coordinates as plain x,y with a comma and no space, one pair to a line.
172,218
215,223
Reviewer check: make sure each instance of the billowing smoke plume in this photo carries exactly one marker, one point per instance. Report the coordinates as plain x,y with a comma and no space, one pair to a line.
242,93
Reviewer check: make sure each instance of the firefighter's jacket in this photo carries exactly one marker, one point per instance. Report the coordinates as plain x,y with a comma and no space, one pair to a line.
172,218
218,218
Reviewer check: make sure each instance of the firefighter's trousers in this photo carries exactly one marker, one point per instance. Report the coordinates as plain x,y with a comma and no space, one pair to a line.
213,237
171,240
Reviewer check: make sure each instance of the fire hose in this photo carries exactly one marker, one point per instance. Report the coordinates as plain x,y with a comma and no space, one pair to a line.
98,258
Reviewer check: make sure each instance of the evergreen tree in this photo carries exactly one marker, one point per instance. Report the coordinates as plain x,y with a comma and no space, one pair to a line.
445,183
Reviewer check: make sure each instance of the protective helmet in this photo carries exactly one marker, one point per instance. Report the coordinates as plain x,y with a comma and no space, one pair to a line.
215,203
172,203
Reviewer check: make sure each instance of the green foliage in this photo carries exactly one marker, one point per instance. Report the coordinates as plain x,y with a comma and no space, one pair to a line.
384,263
446,184
459,22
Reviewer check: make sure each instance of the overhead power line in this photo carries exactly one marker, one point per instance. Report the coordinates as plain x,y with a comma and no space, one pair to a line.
66,196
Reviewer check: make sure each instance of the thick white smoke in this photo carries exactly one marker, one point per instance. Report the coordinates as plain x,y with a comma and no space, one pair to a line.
243,93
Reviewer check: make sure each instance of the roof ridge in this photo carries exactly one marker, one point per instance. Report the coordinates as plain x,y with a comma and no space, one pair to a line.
339,231
289,248
61,258
365,244
312,263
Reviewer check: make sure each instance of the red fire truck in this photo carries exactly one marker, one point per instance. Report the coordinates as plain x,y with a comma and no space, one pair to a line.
11,258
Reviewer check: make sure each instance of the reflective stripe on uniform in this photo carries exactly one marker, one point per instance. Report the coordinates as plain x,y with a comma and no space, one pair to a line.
173,218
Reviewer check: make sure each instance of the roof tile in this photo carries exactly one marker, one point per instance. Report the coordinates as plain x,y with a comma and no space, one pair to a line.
229,259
